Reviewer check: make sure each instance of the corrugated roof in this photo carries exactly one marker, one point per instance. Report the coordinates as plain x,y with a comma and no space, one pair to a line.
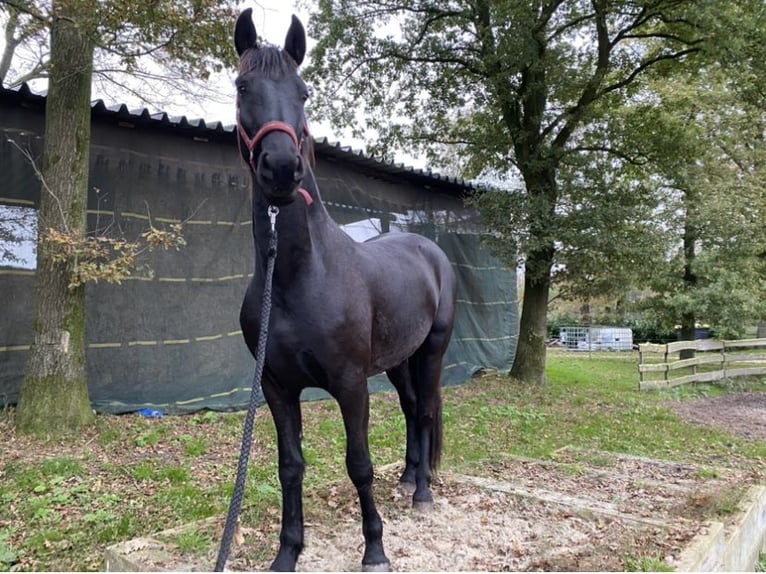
375,165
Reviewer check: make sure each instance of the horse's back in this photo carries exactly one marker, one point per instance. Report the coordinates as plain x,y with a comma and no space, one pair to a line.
420,253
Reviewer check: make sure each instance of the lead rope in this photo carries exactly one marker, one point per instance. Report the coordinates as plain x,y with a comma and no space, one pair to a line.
247,434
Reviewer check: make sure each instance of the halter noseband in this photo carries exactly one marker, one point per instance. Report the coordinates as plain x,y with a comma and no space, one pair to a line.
267,128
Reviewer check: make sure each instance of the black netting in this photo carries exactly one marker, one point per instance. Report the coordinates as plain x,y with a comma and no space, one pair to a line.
172,341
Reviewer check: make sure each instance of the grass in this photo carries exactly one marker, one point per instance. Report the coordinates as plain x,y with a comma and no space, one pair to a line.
62,503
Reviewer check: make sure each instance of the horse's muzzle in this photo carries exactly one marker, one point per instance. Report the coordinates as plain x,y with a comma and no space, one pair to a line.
280,173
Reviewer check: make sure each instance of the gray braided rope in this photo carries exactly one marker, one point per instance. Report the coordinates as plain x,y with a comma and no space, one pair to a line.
247,434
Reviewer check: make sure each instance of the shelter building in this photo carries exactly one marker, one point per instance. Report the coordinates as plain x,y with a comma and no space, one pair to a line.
170,339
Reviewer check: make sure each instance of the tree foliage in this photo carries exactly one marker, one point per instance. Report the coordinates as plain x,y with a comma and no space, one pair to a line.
709,154
522,91
154,51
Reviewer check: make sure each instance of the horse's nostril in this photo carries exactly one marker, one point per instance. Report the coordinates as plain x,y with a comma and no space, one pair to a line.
265,169
300,169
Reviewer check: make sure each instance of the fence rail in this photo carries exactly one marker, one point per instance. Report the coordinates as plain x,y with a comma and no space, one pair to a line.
660,366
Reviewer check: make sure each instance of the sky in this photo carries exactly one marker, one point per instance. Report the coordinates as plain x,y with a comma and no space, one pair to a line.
272,20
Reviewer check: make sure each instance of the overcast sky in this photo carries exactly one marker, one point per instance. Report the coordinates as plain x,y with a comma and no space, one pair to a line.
272,20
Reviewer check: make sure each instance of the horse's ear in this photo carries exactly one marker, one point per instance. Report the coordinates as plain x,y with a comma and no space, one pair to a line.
295,42
244,32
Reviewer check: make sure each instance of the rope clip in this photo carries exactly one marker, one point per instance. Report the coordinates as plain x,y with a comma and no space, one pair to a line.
273,212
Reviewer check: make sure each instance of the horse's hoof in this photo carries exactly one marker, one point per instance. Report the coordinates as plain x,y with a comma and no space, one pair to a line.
407,488
382,567
423,506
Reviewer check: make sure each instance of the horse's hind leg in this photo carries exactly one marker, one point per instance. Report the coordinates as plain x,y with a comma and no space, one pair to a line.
401,378
427,363
286,411
355,408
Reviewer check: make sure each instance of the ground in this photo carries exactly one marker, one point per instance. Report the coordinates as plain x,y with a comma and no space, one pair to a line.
577,510
611,512
741,414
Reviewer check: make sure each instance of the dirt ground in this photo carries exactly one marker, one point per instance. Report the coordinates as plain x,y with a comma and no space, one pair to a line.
617,513
741,414
582,511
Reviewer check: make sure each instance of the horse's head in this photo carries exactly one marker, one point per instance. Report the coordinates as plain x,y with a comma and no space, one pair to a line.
270,115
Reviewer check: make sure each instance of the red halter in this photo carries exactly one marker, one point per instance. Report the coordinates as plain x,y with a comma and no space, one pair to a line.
267,128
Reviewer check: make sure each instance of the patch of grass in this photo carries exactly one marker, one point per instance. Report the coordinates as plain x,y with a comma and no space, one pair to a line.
144,470
761,564
61,466
714,505
192,540
8,555
194,445
655,564
149,438
188,502
708,473
174,474
99,516
37,478
108,436
595,459
114,530
573,469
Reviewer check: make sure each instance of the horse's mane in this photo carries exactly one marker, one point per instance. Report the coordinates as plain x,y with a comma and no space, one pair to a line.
274,62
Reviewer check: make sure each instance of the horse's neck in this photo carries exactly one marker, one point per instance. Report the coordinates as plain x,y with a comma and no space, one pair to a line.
298,226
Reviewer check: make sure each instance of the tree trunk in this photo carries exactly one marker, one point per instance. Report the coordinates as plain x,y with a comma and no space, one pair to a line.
529,363
540,181
54,395
688,318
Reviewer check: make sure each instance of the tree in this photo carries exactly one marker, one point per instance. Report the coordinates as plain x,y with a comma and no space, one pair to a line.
188,34
140,48
55,393
22,29
708,155
517,86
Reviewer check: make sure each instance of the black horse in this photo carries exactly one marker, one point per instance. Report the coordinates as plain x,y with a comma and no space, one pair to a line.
341,310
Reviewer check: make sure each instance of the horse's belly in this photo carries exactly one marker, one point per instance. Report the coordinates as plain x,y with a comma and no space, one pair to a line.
395,340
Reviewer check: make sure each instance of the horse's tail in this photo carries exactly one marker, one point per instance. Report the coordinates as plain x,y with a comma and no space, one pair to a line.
436,431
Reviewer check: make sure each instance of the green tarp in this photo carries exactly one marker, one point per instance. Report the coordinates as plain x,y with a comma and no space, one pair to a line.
171,341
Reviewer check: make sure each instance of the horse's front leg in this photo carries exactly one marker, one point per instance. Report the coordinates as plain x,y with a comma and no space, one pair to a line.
286,411
355,408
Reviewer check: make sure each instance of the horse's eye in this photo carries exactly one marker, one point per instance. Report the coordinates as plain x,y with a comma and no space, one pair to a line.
242,88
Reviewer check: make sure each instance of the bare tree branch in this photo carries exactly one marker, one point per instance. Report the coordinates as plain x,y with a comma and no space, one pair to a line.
41,179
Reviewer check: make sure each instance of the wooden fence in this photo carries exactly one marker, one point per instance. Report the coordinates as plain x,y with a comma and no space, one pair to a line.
660,366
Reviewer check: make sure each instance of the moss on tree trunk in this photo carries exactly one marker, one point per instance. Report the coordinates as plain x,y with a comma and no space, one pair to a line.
54,395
